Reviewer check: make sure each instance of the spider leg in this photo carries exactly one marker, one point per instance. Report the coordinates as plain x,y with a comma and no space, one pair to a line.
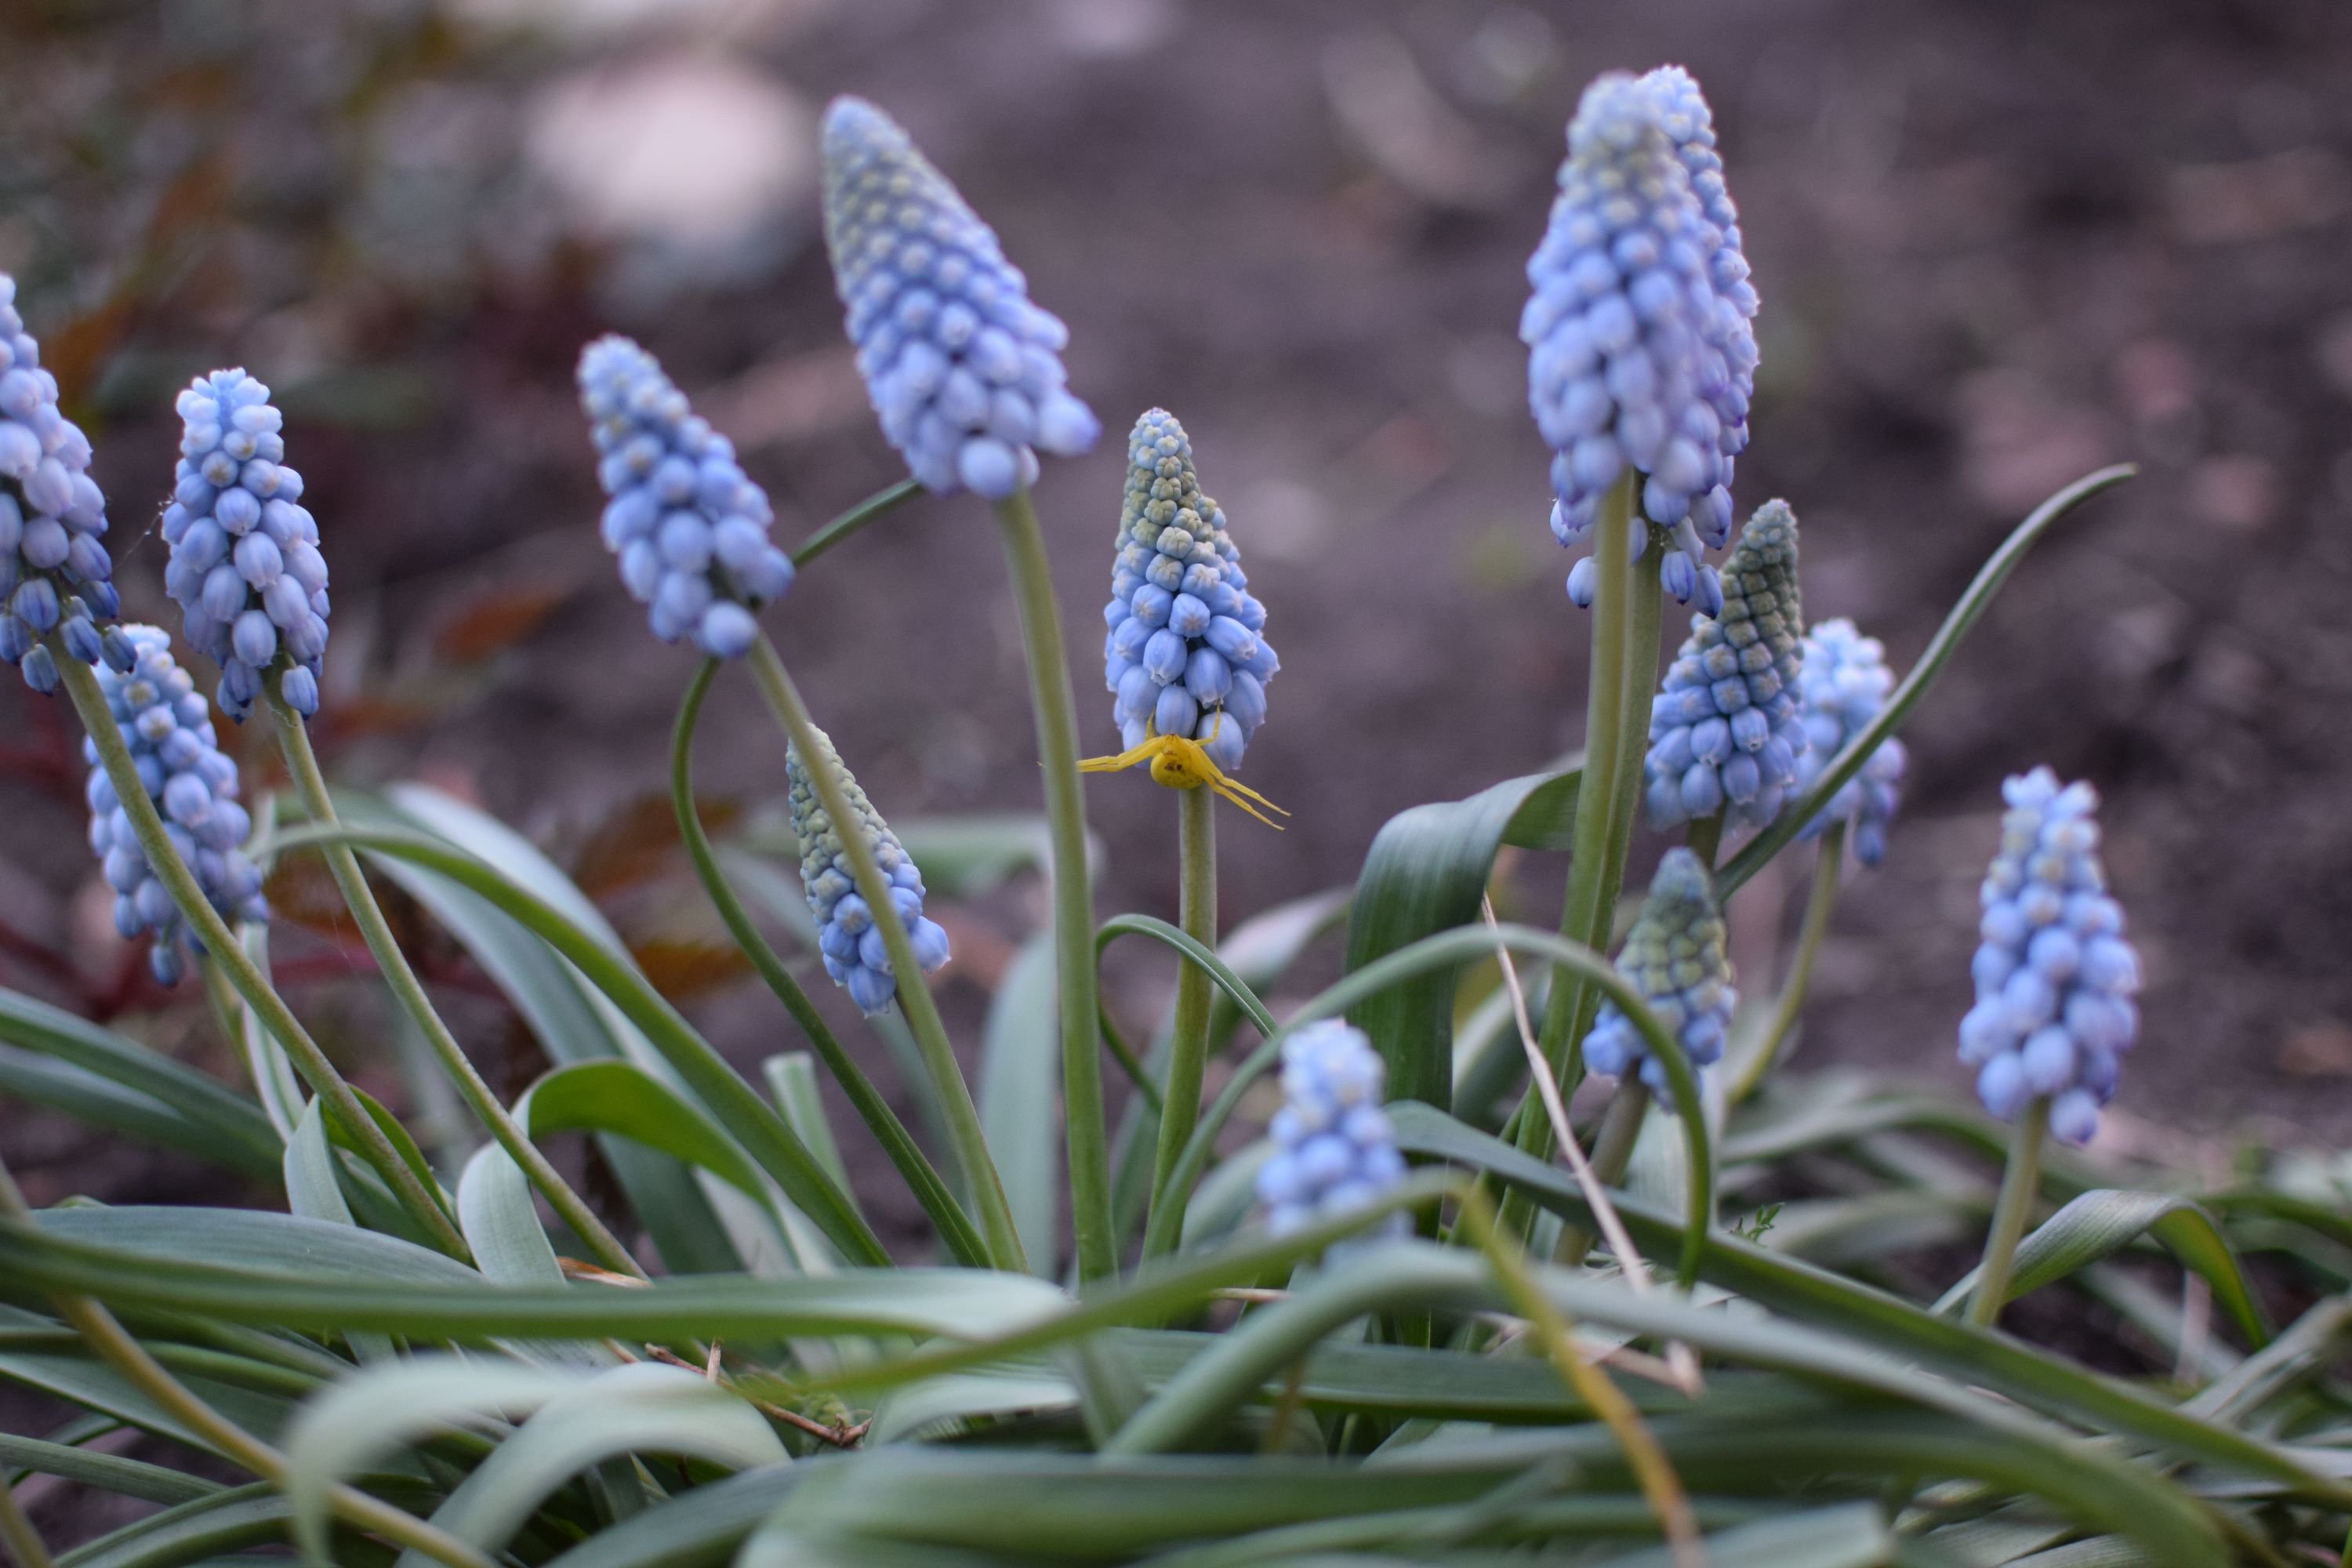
1127,758
1234,791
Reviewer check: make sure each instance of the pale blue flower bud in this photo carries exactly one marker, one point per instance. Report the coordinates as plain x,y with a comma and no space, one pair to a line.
1727,728
847,942
1186,676
689,526
1641,356
167,725
2055,979
964,371
1844,683
53,572
1334,1149
1676,957
245,567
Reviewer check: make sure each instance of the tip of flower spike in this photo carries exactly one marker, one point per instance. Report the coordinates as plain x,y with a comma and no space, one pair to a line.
1676,957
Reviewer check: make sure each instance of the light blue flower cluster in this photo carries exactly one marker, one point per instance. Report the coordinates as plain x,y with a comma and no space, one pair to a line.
1675,957
846,937
965,373
1334,1149
689,526
245,569
2054,975
1727,728
1642,354
168,727
1186,654
53,571
1845,684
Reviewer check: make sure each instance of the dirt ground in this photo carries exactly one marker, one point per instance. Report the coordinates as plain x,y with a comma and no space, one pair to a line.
1998,244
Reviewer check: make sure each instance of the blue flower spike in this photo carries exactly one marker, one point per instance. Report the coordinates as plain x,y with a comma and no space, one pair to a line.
55,574
964,371
1727,728
2056,977
246,569
1642,354
1186,658
689,525
1674,956
1334,1148
168,727
848,942
1845,682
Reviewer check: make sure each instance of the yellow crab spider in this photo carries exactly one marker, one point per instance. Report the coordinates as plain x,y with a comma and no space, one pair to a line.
1179,762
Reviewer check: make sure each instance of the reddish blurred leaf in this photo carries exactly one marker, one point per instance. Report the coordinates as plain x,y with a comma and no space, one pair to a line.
636,841
491,624
680,969
301,893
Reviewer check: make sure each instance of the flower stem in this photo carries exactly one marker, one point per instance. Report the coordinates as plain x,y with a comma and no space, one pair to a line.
1626,616
923,1013
343,866
875,506
1829,862
1074,919
222,947
954,1226
1705,837
114,1345
2021,1183
1196,838
1612,1151
17,1533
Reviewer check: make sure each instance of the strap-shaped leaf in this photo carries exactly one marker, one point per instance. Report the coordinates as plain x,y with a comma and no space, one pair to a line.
1020,1083
1425,873
2105,1221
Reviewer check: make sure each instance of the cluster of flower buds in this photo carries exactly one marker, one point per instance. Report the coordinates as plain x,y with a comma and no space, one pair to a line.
1728,727
53,572
846,939
1334,1149
965,373
1675,957
1845,684
689,527
168,727
1186,654
1641,356
2054,976
246,569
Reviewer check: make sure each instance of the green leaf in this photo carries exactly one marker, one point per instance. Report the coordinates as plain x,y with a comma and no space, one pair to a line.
108,1472
233,1129
73,1376
793,1082
2105,1221
374,1412
2032,1377
1425,873
624,1099
749,1119
699,1529
86,1097
1853,1535
1841,768
223,1521
646,1408
292,1273
501,1223
571,1021
1019,1087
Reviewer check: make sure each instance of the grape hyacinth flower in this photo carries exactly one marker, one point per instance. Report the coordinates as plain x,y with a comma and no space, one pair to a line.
167,725
1641,356
1186,654
964,371
2054,975
1845,682
1675,957
54,574
1727,728
245,569
689,527
1334,1149
847,941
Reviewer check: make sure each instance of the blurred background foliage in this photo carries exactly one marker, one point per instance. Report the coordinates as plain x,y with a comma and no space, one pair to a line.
1999,244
